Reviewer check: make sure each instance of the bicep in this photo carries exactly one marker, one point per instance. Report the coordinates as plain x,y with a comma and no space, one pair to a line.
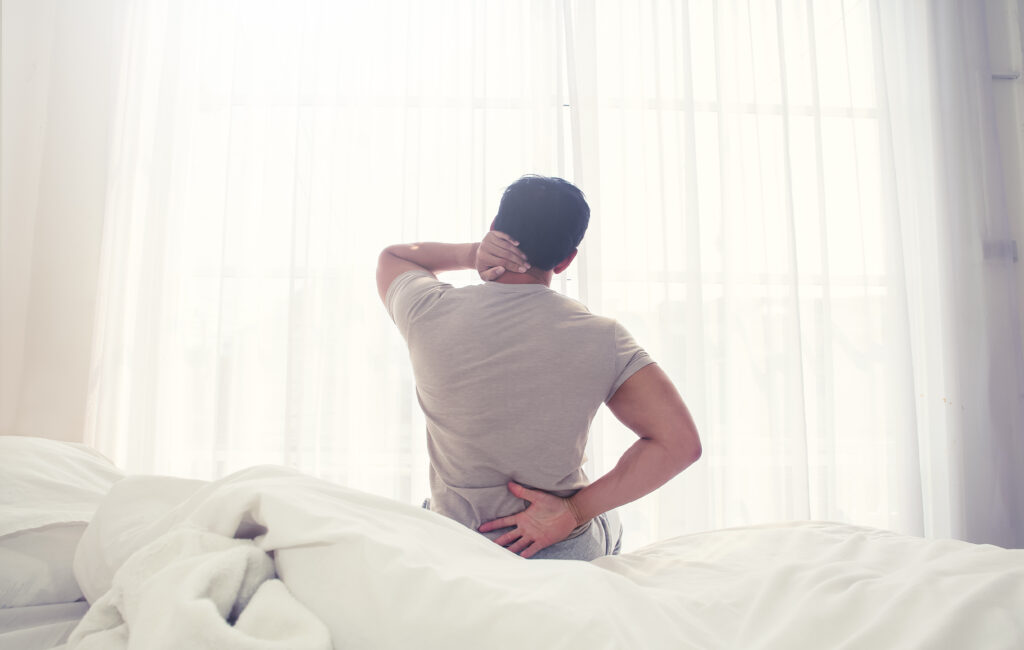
649,404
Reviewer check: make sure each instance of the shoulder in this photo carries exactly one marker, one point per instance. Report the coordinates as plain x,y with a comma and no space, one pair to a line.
411,294
418,280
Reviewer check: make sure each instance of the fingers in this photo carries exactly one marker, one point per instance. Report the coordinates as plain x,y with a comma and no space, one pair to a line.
512,263
498,249
531,550
509,537
520,545
500,235
495,524
492,273
497,253
500,240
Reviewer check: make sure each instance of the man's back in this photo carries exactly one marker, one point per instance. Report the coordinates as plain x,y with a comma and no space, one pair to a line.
509,377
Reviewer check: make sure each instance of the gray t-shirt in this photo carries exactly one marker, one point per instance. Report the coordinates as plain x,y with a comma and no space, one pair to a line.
509,377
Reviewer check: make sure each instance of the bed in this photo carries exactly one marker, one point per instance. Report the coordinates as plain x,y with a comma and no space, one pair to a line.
48,493
271,558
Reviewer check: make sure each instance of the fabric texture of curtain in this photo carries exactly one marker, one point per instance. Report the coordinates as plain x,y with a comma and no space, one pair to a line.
806,233
796,211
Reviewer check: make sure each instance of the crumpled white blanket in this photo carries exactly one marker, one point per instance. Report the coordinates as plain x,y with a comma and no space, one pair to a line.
162,554
190,588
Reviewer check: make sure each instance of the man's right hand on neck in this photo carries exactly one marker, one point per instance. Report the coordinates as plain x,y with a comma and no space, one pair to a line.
498,253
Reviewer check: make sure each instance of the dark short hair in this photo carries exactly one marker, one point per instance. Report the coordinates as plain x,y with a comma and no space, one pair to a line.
548,217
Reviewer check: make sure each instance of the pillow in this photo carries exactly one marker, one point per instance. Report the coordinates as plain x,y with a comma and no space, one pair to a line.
49,490
36,566
45,482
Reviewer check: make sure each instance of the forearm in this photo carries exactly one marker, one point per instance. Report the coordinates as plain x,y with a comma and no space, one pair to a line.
436,257
649,404
646,466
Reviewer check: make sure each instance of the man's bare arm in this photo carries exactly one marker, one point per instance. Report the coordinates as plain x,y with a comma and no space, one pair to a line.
491,257
649,404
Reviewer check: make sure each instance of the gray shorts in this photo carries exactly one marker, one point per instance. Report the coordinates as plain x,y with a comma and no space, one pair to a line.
602,537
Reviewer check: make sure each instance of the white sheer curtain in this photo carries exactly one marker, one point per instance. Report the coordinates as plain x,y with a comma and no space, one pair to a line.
794,211
802,220
264,153
961,273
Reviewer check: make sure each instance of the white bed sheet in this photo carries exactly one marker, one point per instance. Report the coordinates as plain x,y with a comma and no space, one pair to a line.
380,574
40,627
828,585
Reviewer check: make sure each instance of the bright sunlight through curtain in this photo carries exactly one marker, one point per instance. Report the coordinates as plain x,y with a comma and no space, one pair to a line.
791,204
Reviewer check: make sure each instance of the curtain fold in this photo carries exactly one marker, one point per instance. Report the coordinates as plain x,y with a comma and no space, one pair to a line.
56,92
796,211
968,353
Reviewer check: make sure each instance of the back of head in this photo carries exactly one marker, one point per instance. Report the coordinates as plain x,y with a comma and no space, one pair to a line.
548,217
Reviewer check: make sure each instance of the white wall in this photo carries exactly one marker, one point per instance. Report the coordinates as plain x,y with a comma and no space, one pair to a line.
56,96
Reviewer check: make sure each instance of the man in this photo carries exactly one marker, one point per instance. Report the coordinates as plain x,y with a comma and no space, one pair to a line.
510,374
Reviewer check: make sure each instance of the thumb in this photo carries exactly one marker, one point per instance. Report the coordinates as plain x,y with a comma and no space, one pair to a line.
521,492
493,273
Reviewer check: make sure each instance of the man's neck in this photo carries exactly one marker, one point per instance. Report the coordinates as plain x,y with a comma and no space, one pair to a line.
533,276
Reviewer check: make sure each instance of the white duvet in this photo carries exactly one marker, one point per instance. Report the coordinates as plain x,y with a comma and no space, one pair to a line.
269,558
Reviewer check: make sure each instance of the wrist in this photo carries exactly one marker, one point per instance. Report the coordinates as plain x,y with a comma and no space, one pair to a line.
471,252
574,510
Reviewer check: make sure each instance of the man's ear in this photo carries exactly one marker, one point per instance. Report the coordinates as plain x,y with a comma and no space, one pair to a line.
564,264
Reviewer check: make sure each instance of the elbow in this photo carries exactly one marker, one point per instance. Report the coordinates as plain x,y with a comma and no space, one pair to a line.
693,452
688,449
696,450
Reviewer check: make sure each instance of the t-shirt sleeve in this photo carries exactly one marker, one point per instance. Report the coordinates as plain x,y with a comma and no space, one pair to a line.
629,357
410,295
